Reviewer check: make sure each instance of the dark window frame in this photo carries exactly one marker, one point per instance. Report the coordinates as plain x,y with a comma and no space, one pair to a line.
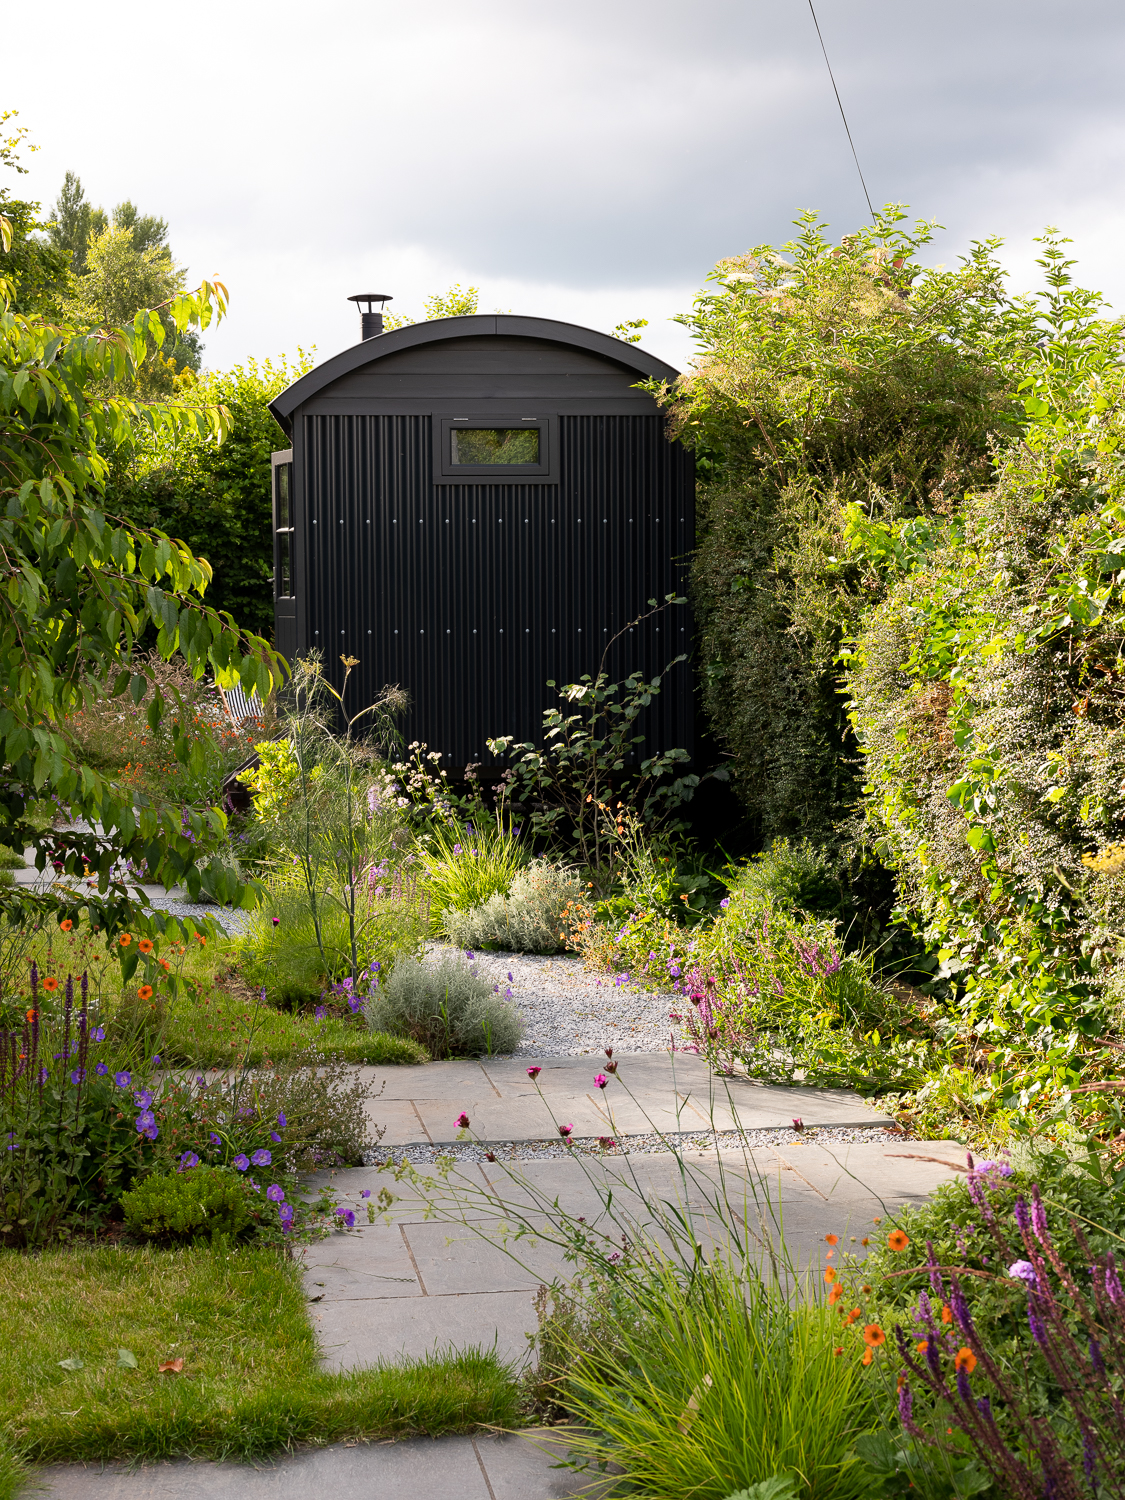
447,472
283,460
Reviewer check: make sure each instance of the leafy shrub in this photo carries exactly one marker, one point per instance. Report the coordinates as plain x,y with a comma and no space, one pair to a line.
447,1007
829,375
527,920
76,1120
204,1203
769,988
465,863
792,876
1015,1335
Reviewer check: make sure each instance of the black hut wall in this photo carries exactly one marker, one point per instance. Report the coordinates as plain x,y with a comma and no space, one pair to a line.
472,596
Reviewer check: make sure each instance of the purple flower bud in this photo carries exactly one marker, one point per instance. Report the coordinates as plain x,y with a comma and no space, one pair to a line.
1035,1323
905,1406
1096,1359
964,1390
1039,1217
1112,1282
1023,1218
937,1286
281,1122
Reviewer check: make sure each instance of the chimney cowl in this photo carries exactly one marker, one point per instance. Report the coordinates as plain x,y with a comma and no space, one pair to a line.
371,320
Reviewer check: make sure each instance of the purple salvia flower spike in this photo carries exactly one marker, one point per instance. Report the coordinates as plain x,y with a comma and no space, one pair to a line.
1112,1282
935,1275
1039,1216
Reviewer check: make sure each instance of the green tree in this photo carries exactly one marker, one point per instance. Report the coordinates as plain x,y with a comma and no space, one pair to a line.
457,302
217,498
828,375
35,270
80,586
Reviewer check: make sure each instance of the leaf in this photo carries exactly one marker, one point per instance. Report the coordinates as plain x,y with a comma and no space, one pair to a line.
776,1487
126,1359
73,1363
170,1367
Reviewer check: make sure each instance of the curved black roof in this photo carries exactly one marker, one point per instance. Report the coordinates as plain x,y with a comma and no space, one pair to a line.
646,366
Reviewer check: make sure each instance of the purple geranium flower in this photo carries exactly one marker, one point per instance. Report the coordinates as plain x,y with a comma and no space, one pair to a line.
347,1215
215,1139
275,1193
102,1069
78,1076
366,1193
1023,1270
143,1098
98,1034
281,1122
262,1158
241,1163
725,902
274,1135
189,1159
151,1133
145,1120
122,1080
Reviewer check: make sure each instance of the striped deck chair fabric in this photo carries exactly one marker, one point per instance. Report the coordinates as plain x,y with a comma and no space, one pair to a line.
240,705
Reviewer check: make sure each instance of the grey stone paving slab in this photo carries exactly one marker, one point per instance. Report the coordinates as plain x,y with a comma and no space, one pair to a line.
656,1090
355,1333
506,1466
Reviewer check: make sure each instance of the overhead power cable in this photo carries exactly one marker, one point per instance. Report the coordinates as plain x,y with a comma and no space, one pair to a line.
843,116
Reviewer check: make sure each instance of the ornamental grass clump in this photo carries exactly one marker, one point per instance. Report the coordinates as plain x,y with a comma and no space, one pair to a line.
446,1006
527,920
465,863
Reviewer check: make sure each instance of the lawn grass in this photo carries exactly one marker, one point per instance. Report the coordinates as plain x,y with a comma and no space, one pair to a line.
219,1024
250,1383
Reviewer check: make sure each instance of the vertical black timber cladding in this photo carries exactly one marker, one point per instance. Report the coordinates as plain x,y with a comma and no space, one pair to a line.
472,596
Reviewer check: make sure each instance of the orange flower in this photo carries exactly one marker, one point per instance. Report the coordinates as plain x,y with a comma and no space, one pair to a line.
900,1382
876,1221
830,1275
145,992
874,1335
165,965
922,1347
834,1295
853,1315
66,924
50,985
865,1288
897,1240
947,1314
965,1360
125,939
145,945
201,940
838,1349
865,1242
867,1356
831,1239
32,1014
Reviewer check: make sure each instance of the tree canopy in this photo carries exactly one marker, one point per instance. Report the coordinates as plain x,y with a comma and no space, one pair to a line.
80,586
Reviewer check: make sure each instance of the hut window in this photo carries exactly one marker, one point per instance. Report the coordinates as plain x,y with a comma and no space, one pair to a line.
494,445
485,448
283,531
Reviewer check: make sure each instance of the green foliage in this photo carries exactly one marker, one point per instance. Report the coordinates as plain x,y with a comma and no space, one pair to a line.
183,1207
80,590
251,1384
985,700
455,303
465,863
769,987
446,1007
529,919
709,1383
629,331
217,498
829,376
587,759
37,274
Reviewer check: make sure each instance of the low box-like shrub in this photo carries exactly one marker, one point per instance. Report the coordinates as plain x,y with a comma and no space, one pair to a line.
200,1204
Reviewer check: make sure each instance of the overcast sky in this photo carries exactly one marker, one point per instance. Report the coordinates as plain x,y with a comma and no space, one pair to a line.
587,161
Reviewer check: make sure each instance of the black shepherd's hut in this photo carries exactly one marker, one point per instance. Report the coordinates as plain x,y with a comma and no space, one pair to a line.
475,505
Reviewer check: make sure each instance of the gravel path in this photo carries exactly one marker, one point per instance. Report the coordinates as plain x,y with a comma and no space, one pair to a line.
570,1011
639,1145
